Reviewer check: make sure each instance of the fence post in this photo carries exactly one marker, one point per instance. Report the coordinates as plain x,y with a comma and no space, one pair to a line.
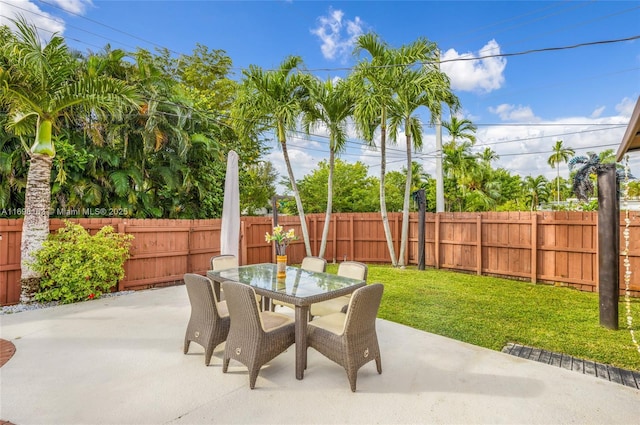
189,266
479,243
534,247
335,237
243,244
437,241
122,230
398,235
352,250
316,246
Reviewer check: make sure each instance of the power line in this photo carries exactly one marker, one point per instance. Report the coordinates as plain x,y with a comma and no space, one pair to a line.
458,59
552,135
466,58
54,32
551,151
66,24
109,27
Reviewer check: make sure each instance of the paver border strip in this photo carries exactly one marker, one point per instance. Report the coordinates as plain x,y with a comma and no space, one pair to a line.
629,378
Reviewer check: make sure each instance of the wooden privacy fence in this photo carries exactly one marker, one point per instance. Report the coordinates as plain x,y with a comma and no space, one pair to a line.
553,247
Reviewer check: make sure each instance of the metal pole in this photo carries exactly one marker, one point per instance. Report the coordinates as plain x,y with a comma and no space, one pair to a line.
608,246
421,199
274,204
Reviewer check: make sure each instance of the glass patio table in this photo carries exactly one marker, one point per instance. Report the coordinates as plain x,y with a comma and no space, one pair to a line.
300,288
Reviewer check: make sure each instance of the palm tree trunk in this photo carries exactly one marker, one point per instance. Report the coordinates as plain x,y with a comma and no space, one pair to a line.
296,194
35,227
327,217
405,205
383,198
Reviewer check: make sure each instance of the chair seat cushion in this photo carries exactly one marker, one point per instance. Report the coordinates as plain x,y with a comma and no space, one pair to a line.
272,321
331,306
333,323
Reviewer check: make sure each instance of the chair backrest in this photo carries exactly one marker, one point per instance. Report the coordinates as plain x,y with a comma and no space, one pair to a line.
353,269
201,296
314,264
243,308
363,308
222,262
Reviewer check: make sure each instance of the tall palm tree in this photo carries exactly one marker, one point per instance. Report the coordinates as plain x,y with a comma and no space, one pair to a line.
373,83
460,129
560,154
41,86
269,99
419,87
379,84
330,105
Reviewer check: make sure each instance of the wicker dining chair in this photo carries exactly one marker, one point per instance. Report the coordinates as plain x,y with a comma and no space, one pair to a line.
255,337
227,261
312,264
209,321
350,338
221,262
352,269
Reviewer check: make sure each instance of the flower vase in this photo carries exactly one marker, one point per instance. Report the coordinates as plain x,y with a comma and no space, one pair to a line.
281,263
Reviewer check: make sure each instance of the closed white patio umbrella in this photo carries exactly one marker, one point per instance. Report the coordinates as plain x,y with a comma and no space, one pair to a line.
230,230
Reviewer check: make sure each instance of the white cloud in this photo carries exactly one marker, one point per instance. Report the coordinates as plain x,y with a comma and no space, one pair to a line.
625,107
78,7
304,156
598,112
337,34
45,23
514,113
480,75
525,150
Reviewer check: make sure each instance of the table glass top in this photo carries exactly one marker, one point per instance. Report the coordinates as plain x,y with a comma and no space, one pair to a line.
298,283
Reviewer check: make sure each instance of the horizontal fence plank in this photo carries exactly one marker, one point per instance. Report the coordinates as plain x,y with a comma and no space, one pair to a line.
551,247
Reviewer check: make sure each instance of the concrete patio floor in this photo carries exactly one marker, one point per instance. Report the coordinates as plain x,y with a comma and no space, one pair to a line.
119,361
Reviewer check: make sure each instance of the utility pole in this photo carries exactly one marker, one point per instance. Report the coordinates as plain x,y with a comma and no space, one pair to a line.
439,172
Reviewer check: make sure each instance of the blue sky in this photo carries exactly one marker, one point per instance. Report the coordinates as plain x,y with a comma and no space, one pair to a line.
521,103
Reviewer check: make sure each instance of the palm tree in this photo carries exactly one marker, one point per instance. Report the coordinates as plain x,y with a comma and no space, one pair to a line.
590,164
425,86
488,155
270,99
373,85
460,129
536,190
560,154
391,90
41,86
459,161
329,105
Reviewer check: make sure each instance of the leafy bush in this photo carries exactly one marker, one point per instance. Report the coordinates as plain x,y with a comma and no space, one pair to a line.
76,266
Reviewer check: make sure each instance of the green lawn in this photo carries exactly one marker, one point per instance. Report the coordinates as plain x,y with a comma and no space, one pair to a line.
491,312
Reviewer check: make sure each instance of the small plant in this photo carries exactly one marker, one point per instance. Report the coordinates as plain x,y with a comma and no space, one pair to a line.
76,266
281,238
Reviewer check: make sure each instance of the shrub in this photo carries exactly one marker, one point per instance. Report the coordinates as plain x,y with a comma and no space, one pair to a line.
76,266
